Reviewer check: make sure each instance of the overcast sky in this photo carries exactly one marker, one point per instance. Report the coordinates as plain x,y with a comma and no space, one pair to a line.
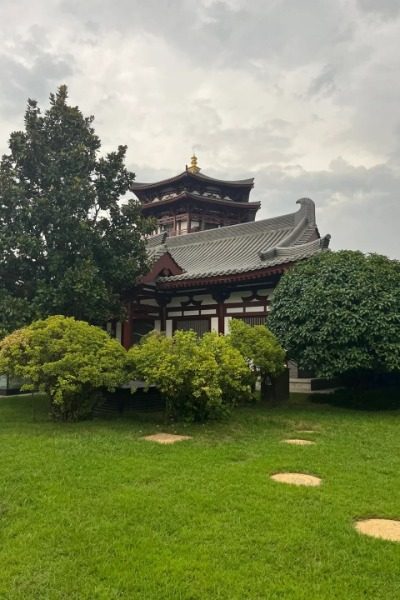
302,95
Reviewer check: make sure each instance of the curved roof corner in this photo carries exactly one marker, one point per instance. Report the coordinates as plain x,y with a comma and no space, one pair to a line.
307,210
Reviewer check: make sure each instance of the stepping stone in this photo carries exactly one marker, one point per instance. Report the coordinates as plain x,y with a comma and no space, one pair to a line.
385,529
166,438
297,442
297,479
306,431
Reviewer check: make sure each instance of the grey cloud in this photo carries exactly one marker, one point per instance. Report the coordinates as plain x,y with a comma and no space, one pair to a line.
385,8
325,82
260,88
289,31
359,206
341,177
30,70
270,141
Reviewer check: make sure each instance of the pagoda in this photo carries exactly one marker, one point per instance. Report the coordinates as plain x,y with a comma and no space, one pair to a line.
225,267
192,202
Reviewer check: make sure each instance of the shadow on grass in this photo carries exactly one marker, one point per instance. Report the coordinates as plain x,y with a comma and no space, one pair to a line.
376,399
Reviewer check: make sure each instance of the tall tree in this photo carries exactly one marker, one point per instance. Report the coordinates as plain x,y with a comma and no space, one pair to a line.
68,244
338,313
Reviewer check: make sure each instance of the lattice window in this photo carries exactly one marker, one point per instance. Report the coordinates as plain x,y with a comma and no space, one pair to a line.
200,326
256,320
141,328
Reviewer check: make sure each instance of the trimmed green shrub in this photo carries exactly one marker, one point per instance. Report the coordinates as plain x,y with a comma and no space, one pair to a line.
260,349
338,314
199,378
69,360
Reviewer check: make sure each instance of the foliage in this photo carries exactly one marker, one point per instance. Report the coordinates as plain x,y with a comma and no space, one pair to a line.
233,375
13,311
199,378
339,313
378,398
67,243
69,360
260,349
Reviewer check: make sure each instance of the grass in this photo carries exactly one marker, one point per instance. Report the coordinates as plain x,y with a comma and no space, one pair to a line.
91,511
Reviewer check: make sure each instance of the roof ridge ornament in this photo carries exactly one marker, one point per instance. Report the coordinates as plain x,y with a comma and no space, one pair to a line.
194,168
282,249
324,242
307,209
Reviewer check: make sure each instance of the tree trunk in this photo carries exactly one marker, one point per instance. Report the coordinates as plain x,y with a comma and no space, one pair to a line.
264,393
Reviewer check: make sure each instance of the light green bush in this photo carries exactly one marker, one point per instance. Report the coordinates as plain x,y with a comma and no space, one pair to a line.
70,360
260,349
199,378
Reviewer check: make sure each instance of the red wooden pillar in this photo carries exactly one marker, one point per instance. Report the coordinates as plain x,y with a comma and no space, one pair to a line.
163,323
221,317
220,296
162,303
175,229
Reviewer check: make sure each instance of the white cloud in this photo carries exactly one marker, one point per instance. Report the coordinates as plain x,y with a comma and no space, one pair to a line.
278,90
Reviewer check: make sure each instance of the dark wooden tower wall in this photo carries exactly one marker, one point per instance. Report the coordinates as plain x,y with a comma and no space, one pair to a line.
191,201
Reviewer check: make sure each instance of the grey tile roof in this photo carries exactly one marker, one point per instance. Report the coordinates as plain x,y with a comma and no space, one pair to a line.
137,186
242,248
200,199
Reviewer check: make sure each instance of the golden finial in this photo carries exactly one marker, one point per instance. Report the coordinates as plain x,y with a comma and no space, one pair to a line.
194,168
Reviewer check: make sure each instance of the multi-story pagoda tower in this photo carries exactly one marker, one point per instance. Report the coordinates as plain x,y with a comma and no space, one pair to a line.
191,201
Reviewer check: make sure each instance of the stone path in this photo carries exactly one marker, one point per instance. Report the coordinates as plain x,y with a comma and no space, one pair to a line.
299,442
386,529
297,479
306,431
166,438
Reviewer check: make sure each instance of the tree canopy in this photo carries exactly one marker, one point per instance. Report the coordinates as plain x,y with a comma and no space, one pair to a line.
68,245
339,313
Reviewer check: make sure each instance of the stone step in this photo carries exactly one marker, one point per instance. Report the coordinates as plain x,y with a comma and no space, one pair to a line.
312,385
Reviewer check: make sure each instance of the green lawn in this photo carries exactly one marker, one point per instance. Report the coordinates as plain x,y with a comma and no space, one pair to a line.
91,511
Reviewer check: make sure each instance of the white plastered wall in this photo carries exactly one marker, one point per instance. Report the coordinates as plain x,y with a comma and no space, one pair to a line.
226,324
168,327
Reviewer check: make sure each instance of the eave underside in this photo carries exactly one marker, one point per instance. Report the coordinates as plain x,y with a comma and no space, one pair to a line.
209,282
202,202
237,191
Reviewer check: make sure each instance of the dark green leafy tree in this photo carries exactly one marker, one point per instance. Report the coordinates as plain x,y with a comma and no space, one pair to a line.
68,245
339,314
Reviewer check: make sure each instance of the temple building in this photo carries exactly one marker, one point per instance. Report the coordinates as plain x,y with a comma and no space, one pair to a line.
192,202
210,260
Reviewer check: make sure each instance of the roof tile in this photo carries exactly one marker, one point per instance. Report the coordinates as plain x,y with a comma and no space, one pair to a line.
244,247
